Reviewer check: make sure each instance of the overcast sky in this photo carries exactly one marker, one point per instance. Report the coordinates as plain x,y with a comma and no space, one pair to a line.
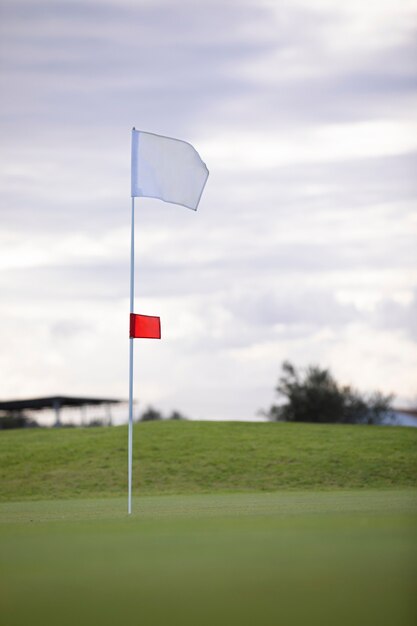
305,243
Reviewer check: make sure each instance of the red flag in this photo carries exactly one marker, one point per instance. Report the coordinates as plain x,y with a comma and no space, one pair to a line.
145,326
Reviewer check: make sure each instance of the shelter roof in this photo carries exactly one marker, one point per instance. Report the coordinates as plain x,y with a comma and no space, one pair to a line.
51,402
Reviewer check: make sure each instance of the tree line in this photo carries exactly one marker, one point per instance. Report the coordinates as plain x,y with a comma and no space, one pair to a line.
313,395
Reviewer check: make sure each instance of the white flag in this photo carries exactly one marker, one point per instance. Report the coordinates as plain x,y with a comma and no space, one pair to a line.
168,169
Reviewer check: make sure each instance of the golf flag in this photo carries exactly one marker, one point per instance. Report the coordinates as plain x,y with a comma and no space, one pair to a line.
145,327
168,169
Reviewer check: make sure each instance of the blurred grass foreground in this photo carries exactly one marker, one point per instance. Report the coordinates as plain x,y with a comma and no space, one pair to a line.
233,524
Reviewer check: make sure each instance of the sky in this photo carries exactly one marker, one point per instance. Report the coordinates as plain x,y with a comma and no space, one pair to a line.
304,247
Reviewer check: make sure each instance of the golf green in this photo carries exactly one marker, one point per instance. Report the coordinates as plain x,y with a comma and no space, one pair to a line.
290,558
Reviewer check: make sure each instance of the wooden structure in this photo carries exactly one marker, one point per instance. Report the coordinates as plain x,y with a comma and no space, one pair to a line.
56,403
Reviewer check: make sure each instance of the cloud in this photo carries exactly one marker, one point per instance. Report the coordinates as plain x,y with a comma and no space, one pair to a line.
398,316
94,65
304,243
317,308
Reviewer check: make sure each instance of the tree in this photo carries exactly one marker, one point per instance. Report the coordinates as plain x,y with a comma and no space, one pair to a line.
176,415
150,415
315,396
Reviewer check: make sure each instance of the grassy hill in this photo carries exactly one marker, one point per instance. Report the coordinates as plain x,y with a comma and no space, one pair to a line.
203,457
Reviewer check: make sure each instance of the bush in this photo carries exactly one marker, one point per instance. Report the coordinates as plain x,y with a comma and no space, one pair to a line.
152,414
315,396
8,422
94,423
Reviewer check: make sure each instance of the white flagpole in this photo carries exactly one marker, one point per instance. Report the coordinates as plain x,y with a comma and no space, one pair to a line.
132,295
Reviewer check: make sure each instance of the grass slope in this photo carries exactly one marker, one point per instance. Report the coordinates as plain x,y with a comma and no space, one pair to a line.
202,457
291,558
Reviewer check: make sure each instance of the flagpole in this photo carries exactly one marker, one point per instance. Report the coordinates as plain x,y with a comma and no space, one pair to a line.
132,295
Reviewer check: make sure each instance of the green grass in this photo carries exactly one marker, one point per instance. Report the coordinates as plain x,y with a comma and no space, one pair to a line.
201,457
253,524
290,558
